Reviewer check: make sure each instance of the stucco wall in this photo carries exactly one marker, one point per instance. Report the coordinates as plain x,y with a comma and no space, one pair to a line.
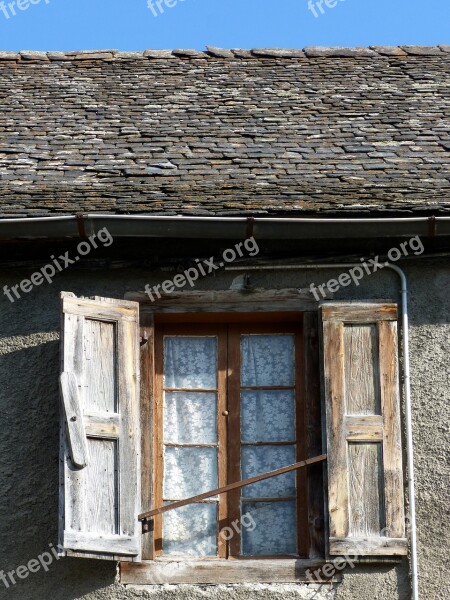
29,404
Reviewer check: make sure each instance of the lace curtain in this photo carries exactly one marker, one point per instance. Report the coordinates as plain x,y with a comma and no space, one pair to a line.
267,360
190,362
268,416
190,418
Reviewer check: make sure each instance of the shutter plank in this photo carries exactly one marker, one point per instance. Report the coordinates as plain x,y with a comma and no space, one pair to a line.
364,546
337,462
366,503
93,542
100,482
101,502
74,420
361,370
365,480
316,517
99,366
100,425
359,312
364,429
130,441
392,451
147,378
103,308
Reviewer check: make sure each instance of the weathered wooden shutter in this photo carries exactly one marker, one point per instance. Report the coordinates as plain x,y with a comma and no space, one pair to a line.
100,432
365,482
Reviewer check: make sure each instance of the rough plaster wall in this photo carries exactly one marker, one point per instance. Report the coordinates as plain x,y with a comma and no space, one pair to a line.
238,592
29,366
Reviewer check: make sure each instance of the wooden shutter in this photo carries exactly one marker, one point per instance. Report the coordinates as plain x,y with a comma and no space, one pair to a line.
365,482
100,432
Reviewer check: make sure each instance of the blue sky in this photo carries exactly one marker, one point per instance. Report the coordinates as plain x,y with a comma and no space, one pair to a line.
131,24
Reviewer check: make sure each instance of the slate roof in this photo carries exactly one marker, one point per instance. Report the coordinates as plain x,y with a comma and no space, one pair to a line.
226,132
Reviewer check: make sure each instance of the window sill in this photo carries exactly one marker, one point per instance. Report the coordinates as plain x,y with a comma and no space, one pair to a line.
217,571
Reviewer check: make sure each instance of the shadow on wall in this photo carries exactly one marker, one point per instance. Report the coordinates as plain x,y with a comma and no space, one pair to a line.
29,446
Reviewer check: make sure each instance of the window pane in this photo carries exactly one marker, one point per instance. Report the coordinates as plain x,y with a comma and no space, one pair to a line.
191,530
268,416
189,471
267,360
261,459
190,418
275,530
190,362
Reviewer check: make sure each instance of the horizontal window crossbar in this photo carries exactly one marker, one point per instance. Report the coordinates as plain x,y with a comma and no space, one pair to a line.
193,390
174,445
227,488
209,500
263,388
274,499
287,443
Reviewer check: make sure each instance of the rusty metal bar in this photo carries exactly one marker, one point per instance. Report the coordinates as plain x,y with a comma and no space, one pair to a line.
232,486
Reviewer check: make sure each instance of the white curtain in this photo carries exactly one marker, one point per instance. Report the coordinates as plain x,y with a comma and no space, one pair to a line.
190,418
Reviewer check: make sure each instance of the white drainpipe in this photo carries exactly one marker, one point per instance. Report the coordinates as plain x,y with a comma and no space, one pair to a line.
409,432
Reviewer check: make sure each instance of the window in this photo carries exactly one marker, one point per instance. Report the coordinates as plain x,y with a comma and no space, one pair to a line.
228,406
120,458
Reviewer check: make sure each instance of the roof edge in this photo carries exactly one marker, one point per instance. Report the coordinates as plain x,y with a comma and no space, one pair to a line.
405,51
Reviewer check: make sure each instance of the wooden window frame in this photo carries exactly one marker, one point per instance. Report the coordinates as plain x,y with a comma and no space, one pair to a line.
205,307
228,418
192,329
235,445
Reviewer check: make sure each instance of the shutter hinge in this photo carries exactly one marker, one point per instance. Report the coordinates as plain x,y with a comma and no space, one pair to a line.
147,525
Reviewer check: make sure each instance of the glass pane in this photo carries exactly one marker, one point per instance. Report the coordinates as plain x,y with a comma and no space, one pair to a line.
191,530
190,418
267,360
190,362
261,459
275,530
268,416
189,471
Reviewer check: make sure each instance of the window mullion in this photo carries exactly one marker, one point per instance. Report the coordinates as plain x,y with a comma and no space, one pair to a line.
234,435
222,435
301,434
